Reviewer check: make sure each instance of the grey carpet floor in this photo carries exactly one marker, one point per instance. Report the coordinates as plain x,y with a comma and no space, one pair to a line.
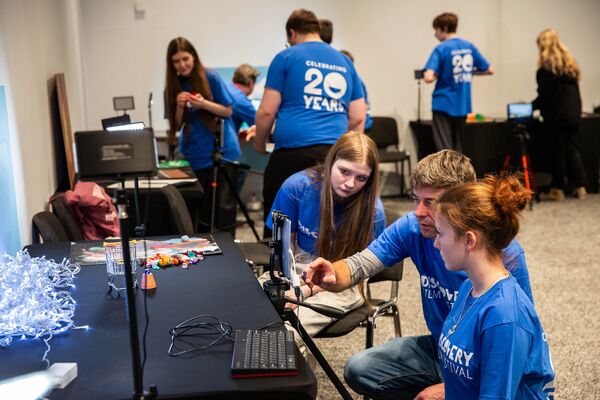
562,245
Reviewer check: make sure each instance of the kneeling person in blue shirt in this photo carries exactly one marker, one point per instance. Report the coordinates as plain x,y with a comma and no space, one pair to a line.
408,366
492,343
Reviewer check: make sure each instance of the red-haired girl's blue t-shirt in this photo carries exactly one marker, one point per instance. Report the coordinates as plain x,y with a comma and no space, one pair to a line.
498,350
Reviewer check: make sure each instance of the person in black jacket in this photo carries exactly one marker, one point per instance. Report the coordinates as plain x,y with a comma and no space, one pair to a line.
559,102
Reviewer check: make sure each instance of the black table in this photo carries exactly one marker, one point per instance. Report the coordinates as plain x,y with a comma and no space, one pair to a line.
221,285
486,144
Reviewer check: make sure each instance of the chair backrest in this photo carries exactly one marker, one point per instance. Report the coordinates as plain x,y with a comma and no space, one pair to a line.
394,273
66,217
180,215
391,215
384,132
47,225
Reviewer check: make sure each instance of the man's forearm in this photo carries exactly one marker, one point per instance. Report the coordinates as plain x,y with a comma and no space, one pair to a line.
361,266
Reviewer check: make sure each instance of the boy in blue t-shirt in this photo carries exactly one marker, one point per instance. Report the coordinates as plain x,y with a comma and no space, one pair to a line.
453,63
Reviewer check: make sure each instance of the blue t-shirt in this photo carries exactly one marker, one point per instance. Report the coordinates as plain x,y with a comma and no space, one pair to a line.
198,148
317,84
439,286
299,199
243,110
498,349
454,61
369,120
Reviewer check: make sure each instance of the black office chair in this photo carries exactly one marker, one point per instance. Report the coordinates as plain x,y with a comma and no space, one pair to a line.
66,217
385,135
47,226
367,314
180,215
256,254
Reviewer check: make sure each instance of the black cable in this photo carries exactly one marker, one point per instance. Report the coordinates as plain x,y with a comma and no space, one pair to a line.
222,330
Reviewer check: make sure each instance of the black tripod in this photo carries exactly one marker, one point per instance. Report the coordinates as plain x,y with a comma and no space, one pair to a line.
219,162
520,146
276,288
138,375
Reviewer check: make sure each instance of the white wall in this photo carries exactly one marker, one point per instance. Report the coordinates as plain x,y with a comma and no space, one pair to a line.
35,37
105,49
124,55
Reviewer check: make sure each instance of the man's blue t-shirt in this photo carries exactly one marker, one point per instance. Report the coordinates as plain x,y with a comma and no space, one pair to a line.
243,110
317,84
454,61
498,349
199,147
439,286
299,198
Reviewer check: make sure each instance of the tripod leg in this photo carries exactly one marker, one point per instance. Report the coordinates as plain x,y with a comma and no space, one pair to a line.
213,203
249,220
293,319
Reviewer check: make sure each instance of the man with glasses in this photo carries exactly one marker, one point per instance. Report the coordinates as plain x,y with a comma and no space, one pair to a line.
408,367
314,93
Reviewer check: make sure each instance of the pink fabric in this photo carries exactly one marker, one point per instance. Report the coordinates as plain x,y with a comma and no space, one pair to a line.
94,209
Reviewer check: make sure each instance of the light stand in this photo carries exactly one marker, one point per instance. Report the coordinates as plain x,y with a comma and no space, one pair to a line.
275,289
150,102
419,74
121,154
138,377
218,161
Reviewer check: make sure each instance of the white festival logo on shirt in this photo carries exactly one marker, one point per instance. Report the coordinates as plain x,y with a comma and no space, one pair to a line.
462,67
333,83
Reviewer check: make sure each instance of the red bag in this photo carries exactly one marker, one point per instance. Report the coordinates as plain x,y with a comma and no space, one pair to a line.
94,209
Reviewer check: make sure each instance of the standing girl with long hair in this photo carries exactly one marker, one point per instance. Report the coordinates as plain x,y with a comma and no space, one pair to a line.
492,343
196,98
559,102
335,212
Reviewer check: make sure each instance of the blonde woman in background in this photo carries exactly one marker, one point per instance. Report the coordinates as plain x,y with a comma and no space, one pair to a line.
559,102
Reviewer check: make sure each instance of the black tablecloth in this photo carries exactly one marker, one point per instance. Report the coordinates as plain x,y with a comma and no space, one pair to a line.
221,285
487,143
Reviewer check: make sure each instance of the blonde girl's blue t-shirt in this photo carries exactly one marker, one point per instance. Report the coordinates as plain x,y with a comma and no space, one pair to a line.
299,199
498,350
198,148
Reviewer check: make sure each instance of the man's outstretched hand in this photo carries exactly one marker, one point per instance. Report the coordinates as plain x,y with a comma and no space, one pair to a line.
320,272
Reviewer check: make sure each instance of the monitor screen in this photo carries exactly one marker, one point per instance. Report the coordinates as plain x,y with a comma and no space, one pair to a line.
117,155
519,111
